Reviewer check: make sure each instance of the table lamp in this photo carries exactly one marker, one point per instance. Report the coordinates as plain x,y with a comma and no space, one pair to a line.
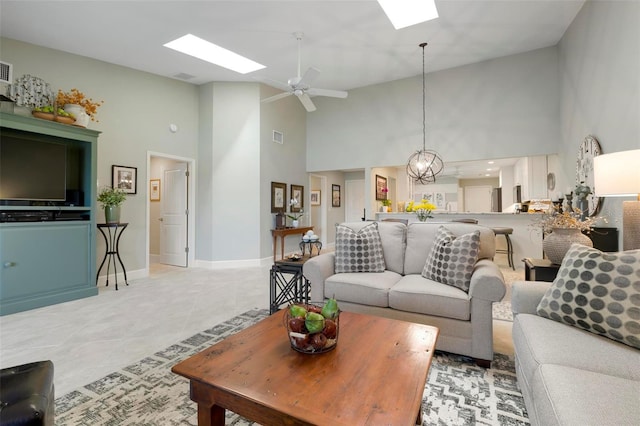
618,175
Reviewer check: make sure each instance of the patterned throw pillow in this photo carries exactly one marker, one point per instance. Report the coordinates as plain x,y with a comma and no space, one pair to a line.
359,251
598,292
452,259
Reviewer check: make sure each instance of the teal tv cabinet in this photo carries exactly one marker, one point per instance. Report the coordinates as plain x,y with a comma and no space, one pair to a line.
47,249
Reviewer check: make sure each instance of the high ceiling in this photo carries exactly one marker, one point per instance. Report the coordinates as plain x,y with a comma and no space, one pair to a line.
352,43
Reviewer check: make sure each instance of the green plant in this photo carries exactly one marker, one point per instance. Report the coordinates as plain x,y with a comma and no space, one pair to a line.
296,216
111,196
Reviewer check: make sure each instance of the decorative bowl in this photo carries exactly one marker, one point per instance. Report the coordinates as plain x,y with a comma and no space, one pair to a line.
43,115
306,342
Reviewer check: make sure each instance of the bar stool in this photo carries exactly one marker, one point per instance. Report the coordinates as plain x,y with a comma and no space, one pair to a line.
509,251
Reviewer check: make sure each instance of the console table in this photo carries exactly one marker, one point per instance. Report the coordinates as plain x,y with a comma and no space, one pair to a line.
283,233
112,241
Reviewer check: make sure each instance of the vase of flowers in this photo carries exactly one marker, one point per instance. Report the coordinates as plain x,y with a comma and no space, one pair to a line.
295,218
422,210
111,199
561,230
75,102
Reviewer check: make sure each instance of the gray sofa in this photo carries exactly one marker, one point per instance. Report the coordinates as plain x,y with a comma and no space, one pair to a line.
570,376
400,292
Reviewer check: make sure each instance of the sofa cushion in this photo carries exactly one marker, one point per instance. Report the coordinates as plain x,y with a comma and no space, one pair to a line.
598,292
394,239
538,341
414,293
365,288
570,396
452,258
421,235
359,251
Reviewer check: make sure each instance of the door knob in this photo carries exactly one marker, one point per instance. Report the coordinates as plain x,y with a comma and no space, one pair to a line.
9,264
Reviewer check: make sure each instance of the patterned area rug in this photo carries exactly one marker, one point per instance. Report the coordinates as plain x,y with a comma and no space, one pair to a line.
148,393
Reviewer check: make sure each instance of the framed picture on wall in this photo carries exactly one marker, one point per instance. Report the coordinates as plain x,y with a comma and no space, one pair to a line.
381,185
125,178
278,197
154,190
297,198
315,197
335,195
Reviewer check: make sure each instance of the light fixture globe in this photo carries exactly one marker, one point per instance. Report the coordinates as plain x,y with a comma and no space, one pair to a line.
424,165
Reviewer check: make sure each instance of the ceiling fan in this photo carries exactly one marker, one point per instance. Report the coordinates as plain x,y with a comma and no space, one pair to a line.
301,85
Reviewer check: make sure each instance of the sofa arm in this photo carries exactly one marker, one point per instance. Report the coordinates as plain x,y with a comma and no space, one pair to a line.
487,282
525,296
317,269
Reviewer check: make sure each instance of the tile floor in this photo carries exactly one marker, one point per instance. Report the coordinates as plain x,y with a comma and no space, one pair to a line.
89,338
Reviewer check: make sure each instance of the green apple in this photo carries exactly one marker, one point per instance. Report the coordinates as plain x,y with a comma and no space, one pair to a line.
314,322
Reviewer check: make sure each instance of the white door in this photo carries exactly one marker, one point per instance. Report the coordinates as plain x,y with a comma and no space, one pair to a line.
477,199
173,229
354,201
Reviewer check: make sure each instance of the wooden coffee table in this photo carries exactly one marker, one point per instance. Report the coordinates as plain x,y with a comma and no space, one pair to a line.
376,375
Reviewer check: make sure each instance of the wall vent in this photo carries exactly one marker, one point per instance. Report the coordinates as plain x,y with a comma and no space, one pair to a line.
6,72
278,137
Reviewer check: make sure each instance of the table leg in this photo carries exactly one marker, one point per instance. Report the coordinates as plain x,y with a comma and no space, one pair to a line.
210,415
282,247
275,244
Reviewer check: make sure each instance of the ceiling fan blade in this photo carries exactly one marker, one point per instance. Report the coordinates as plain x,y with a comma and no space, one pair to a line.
307,103
276,97
309,76
327,92
275,83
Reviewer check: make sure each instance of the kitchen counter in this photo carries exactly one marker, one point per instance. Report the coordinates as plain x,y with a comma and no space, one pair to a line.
526,239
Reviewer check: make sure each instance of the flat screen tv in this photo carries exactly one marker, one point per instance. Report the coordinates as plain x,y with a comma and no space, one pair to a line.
31,169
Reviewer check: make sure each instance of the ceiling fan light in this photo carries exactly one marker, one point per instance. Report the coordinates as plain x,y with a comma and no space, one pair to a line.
212,53
404,13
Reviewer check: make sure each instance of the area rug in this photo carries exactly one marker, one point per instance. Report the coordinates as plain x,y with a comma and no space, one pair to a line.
148,393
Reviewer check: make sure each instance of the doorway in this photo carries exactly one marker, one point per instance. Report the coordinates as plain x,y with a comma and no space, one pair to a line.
170,210
318,212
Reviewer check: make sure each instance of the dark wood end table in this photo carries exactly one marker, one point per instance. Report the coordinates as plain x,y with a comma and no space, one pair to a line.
375,375
540,269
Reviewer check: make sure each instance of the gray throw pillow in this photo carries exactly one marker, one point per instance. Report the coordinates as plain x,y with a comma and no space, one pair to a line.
359,251
598,292
452,259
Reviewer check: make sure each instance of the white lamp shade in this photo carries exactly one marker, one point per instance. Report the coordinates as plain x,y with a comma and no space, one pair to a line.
617,174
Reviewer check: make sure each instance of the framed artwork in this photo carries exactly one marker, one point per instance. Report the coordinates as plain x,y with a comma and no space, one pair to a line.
154,190
335,195
297,194
125,178
381,185
315,197
278,197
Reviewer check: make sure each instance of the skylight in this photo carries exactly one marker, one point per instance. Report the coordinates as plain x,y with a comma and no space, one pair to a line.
404,13
207,51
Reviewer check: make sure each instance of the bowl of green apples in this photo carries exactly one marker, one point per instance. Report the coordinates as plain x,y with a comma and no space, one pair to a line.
312,328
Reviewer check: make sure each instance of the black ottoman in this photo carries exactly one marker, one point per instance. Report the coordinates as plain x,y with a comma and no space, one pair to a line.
26,394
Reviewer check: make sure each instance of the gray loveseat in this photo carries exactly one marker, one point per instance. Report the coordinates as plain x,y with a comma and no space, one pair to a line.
400,292
570,376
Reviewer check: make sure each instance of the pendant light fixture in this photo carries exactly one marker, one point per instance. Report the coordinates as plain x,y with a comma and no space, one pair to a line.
424,165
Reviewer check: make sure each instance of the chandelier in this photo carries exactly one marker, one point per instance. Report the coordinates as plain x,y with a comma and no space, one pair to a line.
424,165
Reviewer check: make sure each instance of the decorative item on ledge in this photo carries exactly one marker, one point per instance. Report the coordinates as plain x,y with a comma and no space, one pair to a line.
76,103
30,92
313,328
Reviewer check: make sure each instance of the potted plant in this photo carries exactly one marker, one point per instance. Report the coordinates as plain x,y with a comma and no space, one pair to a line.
31,92
111,199
75,102
422,210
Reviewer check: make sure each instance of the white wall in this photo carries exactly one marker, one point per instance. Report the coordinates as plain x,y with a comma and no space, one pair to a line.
506,107
600,69
138,108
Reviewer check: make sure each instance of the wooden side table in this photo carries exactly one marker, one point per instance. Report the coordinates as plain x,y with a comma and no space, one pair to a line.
283,233
540,270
